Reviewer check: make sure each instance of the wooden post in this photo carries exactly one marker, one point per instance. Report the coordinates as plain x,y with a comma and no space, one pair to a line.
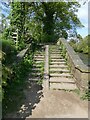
46,68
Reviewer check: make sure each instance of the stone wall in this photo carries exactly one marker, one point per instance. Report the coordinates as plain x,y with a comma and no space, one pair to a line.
80,71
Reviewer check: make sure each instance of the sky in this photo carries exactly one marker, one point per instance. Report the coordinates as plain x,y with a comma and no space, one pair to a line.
83,16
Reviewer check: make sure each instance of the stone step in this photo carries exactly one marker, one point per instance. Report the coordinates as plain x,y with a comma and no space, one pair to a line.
57,63
38,59
59,66
36,69
56,57
38,56
55,48
36,74
58,60
38,62
67,75
37,65
34,79
54,52
62,79
61,86
59,70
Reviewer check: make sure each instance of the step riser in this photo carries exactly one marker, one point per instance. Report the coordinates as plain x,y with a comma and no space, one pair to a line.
58,75
57,63
39,55
34,80
55,57
60,60
58,66
55,53
59,72
62,81
38,60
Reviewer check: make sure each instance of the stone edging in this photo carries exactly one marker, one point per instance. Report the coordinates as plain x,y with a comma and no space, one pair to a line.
79,70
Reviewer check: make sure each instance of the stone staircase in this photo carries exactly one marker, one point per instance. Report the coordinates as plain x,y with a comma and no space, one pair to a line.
60,75
37,72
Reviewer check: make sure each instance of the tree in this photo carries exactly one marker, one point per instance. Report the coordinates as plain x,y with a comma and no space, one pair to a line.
82,46
57,17
79,37
45,21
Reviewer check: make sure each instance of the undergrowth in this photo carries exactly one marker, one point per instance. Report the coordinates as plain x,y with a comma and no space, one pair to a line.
13,91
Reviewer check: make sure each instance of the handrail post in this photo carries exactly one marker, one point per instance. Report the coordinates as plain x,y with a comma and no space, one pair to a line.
46,68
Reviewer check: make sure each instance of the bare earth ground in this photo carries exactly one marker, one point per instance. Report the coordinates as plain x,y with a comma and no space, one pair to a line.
50,104
60,104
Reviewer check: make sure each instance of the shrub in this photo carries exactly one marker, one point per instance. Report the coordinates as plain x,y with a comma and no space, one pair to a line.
8,47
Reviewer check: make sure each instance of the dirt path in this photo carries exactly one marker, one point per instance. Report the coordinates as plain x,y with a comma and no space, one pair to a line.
60,104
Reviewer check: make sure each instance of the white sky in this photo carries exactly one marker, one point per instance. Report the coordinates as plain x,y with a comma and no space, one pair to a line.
83,16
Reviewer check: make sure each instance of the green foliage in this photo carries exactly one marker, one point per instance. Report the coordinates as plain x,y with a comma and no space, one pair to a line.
63,51
82,46
44,21
7,33
57,17
16,82
8,47
72,43
86,95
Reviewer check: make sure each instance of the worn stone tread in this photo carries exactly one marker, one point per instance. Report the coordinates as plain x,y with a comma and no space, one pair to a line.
58,66
58,60
35,68
59,70
66,86
61,79
58,63
68,75
34,79
38,59
56,57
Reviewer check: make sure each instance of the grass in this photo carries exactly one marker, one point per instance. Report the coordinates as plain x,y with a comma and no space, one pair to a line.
77,91
86,95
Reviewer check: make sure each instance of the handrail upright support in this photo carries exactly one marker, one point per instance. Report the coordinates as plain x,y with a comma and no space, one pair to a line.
46,68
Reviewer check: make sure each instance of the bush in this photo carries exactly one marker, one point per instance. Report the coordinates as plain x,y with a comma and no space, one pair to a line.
8,47
86,95
14,86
